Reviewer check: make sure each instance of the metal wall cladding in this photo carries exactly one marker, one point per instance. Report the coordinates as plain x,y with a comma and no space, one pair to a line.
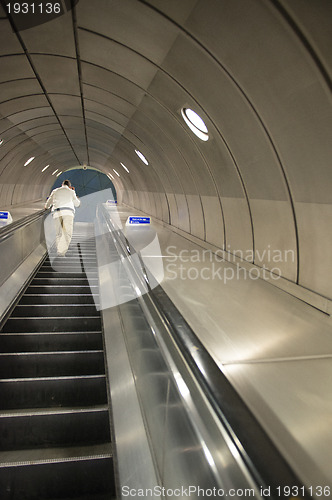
262,180
18,246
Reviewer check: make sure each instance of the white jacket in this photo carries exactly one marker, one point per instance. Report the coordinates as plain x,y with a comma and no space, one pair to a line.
63,198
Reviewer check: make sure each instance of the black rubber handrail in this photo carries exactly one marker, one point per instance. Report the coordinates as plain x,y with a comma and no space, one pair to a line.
266,464
7,231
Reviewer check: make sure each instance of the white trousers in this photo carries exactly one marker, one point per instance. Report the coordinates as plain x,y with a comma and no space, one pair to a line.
64,231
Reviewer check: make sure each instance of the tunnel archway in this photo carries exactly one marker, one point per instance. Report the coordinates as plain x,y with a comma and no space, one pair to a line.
86,181
91,186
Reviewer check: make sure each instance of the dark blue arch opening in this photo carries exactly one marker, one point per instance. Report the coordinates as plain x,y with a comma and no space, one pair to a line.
87,183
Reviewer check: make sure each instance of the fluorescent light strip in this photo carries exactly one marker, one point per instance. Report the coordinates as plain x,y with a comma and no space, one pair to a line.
116,172
45,168
55,171
59,173
29,161
1,141
124,166
110,175
141,157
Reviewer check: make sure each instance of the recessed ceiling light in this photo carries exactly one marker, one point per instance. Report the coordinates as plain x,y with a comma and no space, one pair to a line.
55,171
116,172
110,175
59,174
195,123
45,168
29,161
141,157
1,141
124,166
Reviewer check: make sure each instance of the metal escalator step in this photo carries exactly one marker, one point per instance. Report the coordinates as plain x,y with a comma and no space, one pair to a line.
78,473
49,392
61,310
66,275
52,324
51,364
74,253
59,298
70,260
49,341
64,281
41,428
69,268
63,289
55,455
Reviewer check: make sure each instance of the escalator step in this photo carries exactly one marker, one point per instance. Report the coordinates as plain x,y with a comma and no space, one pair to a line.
49,392
66,275
26,429
51,364
55,478
43,342
58,298
64,281
64,289
71,261
52,324
45,310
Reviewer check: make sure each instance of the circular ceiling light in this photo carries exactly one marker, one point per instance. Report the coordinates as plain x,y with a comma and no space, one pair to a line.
29,161
141,157
195,123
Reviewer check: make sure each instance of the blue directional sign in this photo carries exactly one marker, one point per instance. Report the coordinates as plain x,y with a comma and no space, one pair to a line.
4,215
139,220
112,202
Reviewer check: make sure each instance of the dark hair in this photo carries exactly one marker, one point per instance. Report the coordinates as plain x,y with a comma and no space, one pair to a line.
66,183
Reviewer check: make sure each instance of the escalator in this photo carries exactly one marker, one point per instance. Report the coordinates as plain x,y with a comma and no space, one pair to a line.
177,421
54,415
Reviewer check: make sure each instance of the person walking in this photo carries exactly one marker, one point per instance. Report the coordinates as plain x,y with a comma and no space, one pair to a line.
63,201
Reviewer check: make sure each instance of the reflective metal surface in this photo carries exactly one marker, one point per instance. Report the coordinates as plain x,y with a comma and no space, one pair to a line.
134,458
278,358
189,446
22,247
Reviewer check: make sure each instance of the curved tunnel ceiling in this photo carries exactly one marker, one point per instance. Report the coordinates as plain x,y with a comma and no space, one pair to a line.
111,76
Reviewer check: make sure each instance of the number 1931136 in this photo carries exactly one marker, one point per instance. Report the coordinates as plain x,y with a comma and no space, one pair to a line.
34,8
297,492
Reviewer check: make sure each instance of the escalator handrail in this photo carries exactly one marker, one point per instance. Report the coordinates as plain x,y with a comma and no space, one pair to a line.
7,231
264,461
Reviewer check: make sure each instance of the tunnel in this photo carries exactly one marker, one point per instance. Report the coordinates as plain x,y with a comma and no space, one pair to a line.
212,120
